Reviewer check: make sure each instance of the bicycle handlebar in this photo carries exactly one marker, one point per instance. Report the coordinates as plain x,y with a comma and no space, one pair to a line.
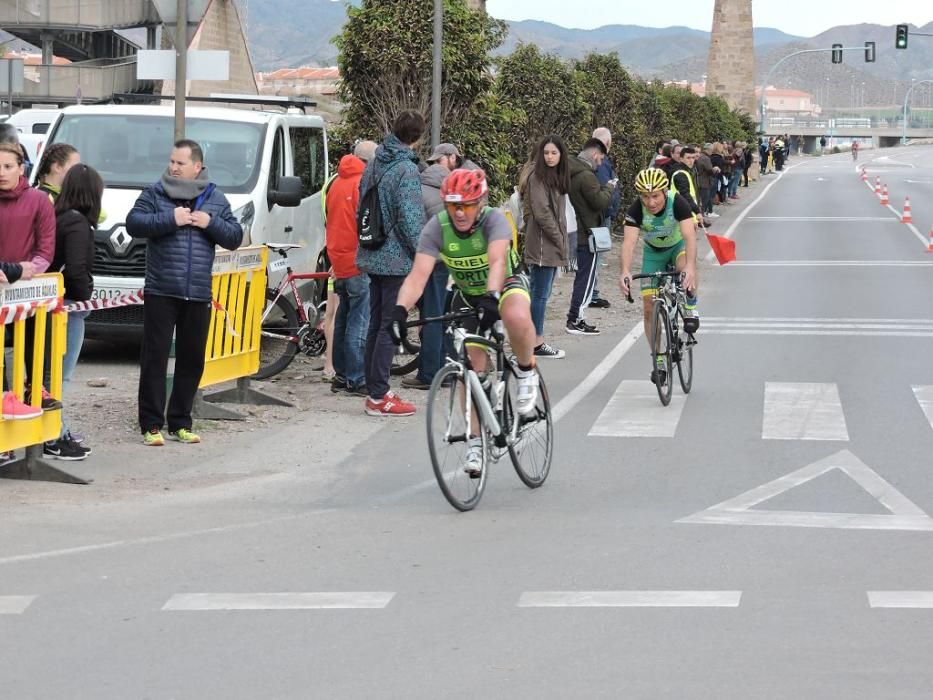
446,318
649,275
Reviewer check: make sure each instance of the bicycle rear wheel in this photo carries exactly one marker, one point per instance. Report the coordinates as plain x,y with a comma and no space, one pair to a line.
684,355
448,436
661,352
278,340
405,359
533,445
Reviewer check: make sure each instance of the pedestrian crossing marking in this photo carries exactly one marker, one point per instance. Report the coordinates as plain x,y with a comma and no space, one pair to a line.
900,599
803,411
15,604
277,601
635,411
630,599
924,395
904,513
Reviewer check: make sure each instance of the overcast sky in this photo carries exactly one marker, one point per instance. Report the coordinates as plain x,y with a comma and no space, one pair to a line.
801,17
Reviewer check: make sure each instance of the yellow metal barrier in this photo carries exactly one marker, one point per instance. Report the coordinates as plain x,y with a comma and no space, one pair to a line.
32,316
239,291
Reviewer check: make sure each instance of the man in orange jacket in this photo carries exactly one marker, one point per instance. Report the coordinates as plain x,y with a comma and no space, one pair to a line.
351,285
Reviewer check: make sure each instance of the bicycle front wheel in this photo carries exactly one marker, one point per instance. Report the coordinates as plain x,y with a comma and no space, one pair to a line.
278,338
450,427
661,352
531,437
684,356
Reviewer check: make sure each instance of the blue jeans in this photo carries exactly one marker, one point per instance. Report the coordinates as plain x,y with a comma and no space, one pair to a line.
734,182
74,339
433,299
350,326
542,280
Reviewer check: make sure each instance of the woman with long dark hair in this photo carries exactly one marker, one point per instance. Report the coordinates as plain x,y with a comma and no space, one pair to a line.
57,160
77,211
546,230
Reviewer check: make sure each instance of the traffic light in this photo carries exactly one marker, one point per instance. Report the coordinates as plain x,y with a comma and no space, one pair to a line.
900,41
837,53
869,52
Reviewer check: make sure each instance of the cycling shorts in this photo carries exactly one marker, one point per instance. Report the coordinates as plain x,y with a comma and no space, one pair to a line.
516,284
659,260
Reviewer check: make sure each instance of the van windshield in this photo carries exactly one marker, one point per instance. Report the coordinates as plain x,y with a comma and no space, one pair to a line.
132,151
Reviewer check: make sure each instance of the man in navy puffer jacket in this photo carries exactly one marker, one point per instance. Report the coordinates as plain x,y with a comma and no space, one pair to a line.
184,217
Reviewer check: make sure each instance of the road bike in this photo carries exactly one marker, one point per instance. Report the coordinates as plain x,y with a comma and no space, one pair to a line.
670,343
288,327
463,405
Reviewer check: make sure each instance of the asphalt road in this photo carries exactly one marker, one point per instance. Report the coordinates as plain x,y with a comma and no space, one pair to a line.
767,536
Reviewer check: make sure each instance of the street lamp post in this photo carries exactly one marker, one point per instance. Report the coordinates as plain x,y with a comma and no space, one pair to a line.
181,67
436,81
906,101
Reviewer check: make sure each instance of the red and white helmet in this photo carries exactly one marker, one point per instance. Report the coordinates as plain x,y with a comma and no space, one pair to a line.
463,186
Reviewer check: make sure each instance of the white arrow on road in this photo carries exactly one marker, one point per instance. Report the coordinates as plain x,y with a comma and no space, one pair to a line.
905,514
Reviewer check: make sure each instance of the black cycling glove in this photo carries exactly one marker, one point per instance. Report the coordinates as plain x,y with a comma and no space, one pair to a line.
397,328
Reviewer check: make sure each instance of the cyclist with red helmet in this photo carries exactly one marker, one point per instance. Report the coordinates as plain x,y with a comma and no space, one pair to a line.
474,241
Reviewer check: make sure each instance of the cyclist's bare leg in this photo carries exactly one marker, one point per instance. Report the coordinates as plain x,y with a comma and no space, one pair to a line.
515,312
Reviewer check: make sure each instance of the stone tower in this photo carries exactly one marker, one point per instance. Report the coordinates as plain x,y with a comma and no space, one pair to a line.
731,68
476,4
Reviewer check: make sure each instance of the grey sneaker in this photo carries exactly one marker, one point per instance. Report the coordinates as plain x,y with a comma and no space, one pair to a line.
545,350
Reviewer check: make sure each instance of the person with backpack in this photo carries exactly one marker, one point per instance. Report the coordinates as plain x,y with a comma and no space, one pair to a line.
389,221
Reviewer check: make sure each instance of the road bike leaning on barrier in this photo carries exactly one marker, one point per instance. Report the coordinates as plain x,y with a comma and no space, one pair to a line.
670,343
288,328
464,408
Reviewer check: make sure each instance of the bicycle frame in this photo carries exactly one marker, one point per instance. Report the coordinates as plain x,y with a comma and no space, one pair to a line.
288,281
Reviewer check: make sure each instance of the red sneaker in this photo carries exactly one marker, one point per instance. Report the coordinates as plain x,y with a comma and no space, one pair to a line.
14,409
391,405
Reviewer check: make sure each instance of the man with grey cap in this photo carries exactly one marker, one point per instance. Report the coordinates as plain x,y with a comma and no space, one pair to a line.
443,160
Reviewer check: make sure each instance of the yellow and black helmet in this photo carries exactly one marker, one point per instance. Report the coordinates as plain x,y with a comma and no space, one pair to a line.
651,180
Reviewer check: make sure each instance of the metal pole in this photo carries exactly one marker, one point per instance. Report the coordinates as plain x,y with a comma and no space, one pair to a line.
906,101
436,82
181,72
9,85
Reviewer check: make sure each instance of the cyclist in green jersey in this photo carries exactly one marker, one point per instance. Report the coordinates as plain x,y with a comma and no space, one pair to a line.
665,219
474,241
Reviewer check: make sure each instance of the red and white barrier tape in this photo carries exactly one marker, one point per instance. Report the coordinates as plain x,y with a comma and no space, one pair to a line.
20,312
136,298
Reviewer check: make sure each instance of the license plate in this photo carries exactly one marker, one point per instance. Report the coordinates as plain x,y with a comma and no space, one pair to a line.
107,294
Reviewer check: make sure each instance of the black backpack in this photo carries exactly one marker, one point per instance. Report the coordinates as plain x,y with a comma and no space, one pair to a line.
369,226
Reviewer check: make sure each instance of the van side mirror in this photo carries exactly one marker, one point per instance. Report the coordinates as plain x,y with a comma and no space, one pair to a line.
288,193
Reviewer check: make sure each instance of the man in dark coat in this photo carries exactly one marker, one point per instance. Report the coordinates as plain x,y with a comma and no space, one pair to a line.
183,216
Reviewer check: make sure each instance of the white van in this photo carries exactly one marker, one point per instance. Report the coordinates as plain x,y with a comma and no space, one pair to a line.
271,165
33,125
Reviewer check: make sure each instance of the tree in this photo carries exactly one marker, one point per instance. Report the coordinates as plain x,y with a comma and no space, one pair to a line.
385,59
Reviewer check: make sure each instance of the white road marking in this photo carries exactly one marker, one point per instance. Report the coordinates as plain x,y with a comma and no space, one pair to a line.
816,331
277,601
830,263
900,599
635,411
598,373
803,411
796,319
15,604
630,599
924,396
905,515
868,327
745,212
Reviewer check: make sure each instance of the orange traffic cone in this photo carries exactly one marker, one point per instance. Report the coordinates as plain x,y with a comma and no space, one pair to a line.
864,175
877,185
884,196
906,219
930,247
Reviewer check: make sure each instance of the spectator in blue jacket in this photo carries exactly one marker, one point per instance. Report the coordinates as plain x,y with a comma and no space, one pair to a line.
605,173
394,170
183,216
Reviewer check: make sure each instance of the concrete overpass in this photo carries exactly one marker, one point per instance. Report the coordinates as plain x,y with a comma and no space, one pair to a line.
883,133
